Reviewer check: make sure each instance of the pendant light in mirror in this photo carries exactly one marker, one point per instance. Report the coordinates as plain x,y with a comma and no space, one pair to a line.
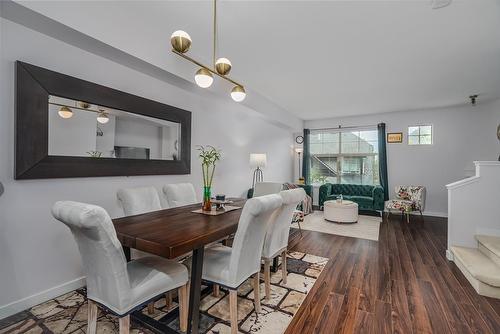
65,112
103,117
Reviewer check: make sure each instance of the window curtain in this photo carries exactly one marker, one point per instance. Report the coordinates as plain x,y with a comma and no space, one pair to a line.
382,156
306,156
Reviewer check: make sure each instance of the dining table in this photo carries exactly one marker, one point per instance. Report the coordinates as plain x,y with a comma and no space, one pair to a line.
172,233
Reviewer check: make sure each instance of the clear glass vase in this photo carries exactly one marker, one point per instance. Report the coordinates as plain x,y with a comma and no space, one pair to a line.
207,195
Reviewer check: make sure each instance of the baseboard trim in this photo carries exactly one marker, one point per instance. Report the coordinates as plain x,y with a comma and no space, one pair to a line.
435,214
40,297
449,255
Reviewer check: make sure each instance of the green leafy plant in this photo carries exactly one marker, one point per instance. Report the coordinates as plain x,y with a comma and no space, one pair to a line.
317,177
209,156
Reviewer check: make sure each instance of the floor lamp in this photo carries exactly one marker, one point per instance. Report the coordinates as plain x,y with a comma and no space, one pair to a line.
299,151
258,161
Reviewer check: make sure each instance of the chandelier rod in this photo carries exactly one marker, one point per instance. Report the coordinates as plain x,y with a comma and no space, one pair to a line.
215,32
79,108
206,67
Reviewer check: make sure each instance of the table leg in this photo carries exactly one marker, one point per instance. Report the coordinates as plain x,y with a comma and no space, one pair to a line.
195,291
126,250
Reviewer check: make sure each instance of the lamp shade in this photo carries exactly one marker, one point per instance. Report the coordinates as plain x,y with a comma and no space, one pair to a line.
258,160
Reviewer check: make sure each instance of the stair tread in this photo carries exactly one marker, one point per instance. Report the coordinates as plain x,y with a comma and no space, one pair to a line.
479,265
490,242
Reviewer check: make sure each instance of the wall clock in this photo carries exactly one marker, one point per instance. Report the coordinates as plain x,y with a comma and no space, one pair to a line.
300,139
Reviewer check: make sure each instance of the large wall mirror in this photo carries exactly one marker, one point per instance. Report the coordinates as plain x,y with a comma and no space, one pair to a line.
68,127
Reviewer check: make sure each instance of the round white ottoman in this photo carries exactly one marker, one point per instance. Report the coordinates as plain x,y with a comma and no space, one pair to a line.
345,212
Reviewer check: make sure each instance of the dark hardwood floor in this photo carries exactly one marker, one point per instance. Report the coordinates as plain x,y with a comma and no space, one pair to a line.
401,284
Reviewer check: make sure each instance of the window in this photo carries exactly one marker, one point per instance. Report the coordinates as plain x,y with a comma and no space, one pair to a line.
344,156
420,135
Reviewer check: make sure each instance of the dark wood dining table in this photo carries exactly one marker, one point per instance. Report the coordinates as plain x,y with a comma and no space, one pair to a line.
171,233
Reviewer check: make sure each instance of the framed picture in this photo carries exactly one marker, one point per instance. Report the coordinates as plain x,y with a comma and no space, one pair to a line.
394,137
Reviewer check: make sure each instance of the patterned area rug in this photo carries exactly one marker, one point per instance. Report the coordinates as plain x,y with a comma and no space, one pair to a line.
367,227
68,313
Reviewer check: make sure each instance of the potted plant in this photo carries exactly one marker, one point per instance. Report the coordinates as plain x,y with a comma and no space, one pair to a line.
209,156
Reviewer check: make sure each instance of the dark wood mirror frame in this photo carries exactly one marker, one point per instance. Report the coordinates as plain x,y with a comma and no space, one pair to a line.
34,85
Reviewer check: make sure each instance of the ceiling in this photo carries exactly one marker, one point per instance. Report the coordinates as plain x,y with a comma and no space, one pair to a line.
315,59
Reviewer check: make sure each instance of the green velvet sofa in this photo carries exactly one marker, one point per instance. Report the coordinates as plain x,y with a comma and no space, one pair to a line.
369,198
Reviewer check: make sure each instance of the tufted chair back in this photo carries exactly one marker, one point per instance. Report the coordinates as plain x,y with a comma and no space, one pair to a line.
416,194
248,241
179,194
139,200
278,232
102,254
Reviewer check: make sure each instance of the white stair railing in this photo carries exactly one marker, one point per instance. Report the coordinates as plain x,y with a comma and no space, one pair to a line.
474,206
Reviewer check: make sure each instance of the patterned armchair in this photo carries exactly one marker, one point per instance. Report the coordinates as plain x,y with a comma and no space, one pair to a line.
408,199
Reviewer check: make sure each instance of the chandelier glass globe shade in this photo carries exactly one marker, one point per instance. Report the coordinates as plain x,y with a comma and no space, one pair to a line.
238,93
203,78
181,41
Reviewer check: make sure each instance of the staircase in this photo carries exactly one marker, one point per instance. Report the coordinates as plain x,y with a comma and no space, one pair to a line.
481,265
474,227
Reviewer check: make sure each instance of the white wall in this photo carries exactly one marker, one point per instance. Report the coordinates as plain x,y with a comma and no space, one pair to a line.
38,254
462,134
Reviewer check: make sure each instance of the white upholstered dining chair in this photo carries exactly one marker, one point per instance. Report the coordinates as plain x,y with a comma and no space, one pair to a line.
134,202
179,194
231,266
139,200
267,188
120,286
276,241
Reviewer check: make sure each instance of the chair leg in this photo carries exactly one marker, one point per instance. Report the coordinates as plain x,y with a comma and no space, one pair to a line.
92,317
421,215
300,229
233,310
267,278
183,307
168,300
256,292
216,290
407,217
284,272
151,308
125,324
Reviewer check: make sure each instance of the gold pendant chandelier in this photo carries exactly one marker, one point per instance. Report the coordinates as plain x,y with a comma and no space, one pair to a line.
181,41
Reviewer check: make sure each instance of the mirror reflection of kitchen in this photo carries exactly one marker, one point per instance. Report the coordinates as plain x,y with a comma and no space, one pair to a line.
81,129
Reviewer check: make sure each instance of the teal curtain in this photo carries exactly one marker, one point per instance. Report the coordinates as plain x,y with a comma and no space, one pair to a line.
306,156
382,160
